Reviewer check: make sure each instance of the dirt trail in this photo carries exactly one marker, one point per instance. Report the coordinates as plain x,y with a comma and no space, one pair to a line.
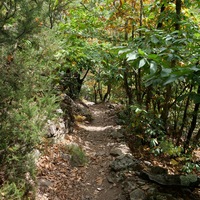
59,180
98,135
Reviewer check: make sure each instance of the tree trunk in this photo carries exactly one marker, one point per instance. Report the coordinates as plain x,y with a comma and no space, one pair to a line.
141,15
128,89
178,14
162,9
149,97
184,118
197,137
107,92
166,106
139,87
193,123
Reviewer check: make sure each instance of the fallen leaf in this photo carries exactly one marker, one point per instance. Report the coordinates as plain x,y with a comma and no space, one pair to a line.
99,180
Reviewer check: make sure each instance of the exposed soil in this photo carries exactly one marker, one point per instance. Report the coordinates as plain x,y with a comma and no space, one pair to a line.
59,179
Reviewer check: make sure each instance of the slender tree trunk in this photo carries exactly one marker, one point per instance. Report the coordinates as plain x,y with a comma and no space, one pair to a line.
193,123
126,30
197,137
148,97
162,9
141,15
178,14
139,87
100,91
95,92
166,106
184,118
128,90
138,75
107,92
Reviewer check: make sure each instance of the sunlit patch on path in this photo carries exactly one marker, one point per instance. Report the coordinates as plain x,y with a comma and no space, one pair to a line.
97,128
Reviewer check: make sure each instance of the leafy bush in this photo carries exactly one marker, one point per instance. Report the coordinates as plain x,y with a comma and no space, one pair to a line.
27,102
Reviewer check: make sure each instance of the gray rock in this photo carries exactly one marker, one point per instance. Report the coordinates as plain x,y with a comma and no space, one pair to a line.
44,183
162,196
129,186
36,154
111,179
137,194
116,135
190,180
152,190
124,162
116,152
100,153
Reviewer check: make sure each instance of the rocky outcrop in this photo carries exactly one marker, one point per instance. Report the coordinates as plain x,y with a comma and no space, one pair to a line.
190,180
142,181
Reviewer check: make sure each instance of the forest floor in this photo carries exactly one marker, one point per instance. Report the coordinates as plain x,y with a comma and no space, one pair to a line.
66,173
61,179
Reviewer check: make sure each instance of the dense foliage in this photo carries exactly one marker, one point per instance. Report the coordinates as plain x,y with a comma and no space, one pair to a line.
144,54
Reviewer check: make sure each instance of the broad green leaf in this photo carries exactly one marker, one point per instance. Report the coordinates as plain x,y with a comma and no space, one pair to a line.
152,56
154,39
194,68
153,67
141,52
165,72
123,51
171,79
142,63
132,56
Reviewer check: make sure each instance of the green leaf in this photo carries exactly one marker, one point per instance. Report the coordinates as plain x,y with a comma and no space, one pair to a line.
123,51
142,63
165,72
154,39
153,67
152,56
132,56
142,53
171,79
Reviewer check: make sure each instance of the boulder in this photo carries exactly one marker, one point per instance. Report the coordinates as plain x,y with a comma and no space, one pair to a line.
124,162
137,194
190,180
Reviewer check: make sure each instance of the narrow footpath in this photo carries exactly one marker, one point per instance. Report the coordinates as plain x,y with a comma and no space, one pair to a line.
60,179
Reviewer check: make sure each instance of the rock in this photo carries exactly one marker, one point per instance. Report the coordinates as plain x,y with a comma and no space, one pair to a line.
116,152
190,180
147,163
56,128
120,151
145,187
44,183
159,170
100,153
137,194
152,190
161,196
116,135
59,111
129,186
124,162
36,154
110,179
